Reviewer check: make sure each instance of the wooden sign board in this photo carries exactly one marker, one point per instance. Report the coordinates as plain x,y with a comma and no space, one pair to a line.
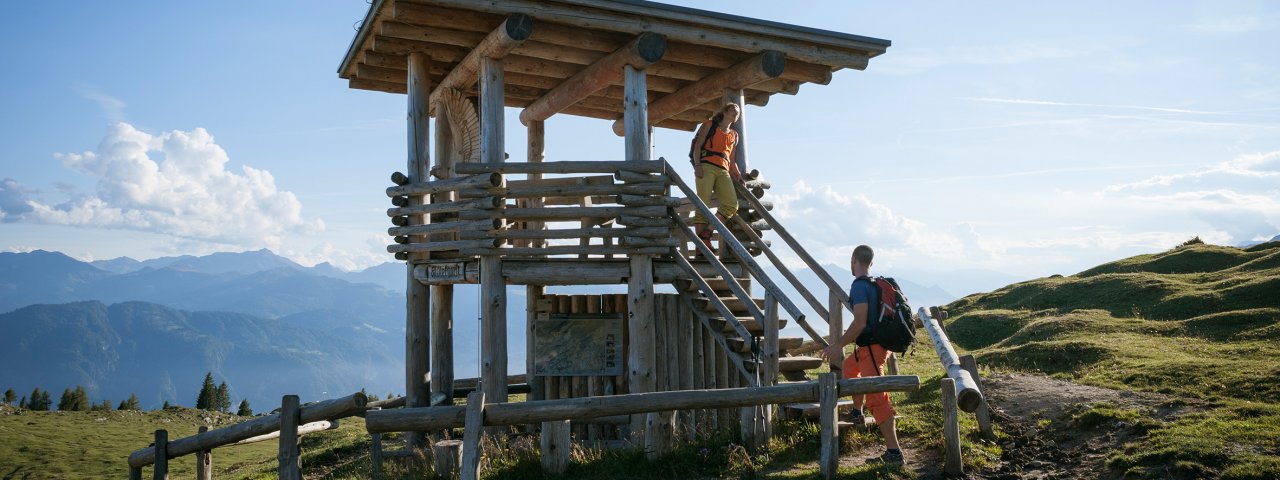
578,344
447,272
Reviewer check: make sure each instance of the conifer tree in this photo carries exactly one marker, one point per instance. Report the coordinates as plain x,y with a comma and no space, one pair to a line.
23,404
244,410
105,406
45,402
223,402
66,401
208,394
34,402
79,400
10,396
165,406
130,404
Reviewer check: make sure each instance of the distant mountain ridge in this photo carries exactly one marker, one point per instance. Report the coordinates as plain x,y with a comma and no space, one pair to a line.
161,354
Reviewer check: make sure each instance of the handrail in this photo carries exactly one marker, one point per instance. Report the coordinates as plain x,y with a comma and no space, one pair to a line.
715,300
741,251
796,247
782,268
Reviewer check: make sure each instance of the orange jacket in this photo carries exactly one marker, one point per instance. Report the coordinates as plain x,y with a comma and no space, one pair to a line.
718,147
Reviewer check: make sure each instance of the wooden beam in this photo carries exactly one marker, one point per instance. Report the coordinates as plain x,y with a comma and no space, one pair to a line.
417,295
754,70
639,53
847,54
514,31
521,413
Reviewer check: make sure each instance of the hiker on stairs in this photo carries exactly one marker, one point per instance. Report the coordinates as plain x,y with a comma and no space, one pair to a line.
868,357
714,168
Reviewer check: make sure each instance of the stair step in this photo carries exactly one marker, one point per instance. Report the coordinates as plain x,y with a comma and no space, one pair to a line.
793,364
719,285
811,409
733,303
784,344
751,325
795,376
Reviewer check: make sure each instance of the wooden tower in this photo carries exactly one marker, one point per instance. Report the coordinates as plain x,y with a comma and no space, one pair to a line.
474,216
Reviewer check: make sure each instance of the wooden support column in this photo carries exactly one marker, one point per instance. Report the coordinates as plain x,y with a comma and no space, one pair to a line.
640,334
754,70
536,136
736,96
160,471
204,461
290,456
829,433
493,289
634,114
417,295
442,373
953,464
375,455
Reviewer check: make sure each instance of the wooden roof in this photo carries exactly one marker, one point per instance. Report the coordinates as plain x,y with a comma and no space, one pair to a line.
564,37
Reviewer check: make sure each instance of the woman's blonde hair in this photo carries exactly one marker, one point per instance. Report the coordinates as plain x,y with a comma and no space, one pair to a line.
720,114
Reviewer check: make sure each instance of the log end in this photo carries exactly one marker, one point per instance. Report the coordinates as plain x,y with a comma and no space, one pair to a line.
495,179
651,47
969,400
518,26
773,63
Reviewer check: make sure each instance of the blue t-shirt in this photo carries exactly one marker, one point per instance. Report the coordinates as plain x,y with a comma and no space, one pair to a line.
863,290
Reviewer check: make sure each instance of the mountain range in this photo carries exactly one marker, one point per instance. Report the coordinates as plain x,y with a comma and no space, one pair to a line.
154,327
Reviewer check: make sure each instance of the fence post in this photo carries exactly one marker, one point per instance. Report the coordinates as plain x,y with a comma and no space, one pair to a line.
829,458
161,467
983,412
471,431
375,456
448,455
891,364
204,461
951,429
135,473
555,446
290,417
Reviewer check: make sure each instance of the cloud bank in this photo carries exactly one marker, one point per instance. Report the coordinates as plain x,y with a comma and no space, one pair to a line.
175,183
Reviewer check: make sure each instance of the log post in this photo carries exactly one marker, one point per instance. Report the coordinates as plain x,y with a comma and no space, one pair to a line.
891,364
829,450
555,446
375,456
471,433
737,97
493,291
756,69
533,294
204,461
417,295
967,393
441,345
536,141
835,324
290,456
983,412
160,471
448,458
135,473
640,333
951,429
769,363
635,126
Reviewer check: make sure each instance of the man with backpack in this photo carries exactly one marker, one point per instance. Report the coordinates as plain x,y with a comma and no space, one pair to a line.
869,356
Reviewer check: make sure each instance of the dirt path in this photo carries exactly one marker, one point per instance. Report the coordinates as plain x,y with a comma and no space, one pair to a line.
1045,443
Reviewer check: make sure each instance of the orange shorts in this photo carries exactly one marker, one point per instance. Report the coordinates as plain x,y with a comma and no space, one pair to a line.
869,362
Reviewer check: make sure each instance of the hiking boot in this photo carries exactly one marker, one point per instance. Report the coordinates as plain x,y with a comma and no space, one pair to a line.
853,416
889,458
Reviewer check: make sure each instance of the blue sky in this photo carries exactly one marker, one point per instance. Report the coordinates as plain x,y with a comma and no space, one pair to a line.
1027,138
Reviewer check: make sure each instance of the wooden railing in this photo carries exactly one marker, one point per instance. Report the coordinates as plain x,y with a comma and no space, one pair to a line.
622,212
292,421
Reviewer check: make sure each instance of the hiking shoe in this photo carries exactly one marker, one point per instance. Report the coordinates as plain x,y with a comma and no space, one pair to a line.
889,458
853,416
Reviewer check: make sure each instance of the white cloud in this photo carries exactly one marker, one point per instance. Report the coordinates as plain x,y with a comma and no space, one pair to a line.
912,61
177,184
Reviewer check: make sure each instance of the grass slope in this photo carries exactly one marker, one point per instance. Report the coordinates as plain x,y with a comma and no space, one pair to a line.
1199,322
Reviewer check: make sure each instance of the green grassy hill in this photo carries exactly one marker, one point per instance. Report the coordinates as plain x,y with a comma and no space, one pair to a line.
1199,322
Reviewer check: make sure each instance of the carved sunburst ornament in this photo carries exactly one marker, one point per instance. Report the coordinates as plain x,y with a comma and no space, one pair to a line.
464,122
